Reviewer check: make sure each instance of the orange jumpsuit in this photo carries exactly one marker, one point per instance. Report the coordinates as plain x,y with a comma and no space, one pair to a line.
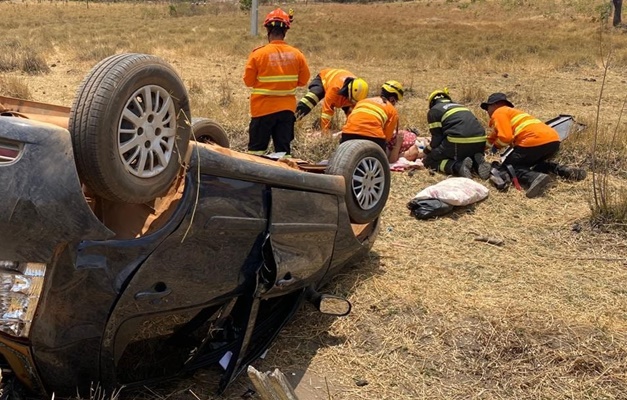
273,72
333,81
373,117
512,127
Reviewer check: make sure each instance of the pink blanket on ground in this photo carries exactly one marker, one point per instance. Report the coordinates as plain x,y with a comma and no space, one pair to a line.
404,165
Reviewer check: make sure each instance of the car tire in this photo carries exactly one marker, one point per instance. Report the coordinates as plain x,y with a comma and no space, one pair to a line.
130,127
208,131
366,171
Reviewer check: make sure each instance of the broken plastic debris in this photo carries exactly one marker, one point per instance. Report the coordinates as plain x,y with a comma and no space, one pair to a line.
224,361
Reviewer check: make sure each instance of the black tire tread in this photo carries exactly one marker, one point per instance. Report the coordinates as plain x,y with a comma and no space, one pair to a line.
343,163
92,100
215,131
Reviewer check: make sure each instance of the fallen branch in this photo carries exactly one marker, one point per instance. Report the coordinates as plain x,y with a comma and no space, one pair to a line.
489,240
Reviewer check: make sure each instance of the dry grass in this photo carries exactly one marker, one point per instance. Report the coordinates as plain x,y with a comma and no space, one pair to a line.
436,314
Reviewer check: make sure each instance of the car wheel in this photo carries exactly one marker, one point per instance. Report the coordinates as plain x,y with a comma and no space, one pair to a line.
130,126
366,170
208,131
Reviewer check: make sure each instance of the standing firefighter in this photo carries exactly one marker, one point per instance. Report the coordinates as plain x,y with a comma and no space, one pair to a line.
375,118
457,138
273,72
337,88
533,143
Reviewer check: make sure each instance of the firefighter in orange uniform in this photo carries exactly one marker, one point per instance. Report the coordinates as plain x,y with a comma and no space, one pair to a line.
533,143
273,72
375,118
337,88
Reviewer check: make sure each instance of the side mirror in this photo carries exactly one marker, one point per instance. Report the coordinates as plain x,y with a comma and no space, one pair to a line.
334,305
328,304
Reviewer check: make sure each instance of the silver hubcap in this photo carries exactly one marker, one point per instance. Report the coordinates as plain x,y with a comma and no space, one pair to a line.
368,182
147,131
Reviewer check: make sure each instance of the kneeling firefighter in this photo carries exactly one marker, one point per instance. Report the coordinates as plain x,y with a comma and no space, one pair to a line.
336,88
533,144
457,138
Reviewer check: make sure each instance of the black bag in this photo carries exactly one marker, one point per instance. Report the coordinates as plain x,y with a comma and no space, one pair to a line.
428,208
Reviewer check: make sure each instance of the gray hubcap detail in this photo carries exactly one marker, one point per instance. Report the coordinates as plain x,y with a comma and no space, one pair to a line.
147,132
368,182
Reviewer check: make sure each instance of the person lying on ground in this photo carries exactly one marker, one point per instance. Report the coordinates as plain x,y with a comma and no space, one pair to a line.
375,118
457,138
336,88
533,144
405,144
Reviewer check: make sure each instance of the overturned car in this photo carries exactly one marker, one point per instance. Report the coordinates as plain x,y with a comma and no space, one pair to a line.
131,251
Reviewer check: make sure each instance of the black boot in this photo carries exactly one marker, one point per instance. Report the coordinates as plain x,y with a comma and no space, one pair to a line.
483,168
538,185
571,174
463,168
568,173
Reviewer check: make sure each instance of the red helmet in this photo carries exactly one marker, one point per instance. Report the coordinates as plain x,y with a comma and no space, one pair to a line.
279,18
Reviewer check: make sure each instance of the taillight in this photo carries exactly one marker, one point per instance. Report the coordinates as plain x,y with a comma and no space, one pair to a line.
9,151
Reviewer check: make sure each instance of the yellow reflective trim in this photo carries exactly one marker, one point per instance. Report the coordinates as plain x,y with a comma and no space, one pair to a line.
331,76
257,152
373,110
326,116
461,140
269,92
453,111
442,165
517,118
435,125
312,96
308,103
278,78
526,124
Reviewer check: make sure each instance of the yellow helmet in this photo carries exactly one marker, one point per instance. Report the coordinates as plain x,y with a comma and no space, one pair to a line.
357,90
393,87
438,93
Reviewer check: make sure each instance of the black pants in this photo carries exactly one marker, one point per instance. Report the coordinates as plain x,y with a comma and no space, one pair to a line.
528,162
352,136
279,126
444,157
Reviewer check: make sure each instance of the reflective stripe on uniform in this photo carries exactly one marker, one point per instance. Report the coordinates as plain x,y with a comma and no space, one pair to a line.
517,118
372,110
310,99
526,124
270,92
278,78
330,76
442,165
435,125
461,140
257,152
452,111
326,116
